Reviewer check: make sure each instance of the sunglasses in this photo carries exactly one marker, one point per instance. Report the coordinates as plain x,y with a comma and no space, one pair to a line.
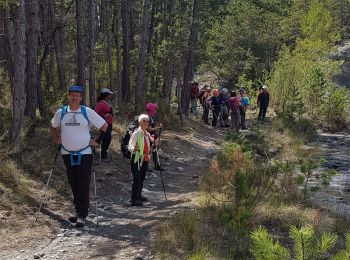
145,121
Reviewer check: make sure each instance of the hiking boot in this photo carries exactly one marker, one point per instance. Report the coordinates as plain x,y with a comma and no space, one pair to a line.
143,199
73,219
80,222
136,203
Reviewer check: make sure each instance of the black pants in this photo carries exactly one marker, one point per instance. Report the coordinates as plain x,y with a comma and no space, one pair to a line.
262,112
106,141
216,114
155,160
242,112
138,179
79,177
205,114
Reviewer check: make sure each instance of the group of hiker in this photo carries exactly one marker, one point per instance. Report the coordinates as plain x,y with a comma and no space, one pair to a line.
224,103
77,146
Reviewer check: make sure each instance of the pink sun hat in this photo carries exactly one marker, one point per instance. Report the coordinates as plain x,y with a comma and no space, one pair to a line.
151,109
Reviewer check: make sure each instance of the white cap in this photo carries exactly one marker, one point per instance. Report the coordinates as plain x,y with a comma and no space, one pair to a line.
106,90
264,87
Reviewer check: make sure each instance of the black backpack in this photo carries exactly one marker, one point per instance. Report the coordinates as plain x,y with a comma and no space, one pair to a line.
124,140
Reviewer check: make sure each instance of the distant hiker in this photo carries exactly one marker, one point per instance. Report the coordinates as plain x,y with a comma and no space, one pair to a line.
243,106
140,148
263,102
104,109
194,97
153,128
204,99
75,121
234,103
214,105
223,108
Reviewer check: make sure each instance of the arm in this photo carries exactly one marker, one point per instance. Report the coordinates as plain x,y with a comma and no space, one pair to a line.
132,146
55,135
99,137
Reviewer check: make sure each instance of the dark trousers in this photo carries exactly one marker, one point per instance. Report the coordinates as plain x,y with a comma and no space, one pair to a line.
205,114
79,177
138,179
262,112
155,160
216,114
106,141
242,112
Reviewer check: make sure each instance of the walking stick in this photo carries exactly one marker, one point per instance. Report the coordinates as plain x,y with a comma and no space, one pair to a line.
95,190
48,180
160,169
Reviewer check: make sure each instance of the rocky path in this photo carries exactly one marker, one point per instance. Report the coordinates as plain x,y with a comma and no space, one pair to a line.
125,232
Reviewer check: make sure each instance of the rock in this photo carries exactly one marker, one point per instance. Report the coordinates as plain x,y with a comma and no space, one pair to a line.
151,185
180,169
22,251
60,235
42,255
36,256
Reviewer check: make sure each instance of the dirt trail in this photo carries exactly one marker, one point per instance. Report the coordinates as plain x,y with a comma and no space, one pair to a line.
124,232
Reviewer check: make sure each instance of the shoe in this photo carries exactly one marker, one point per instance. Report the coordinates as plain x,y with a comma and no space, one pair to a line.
143,199
80,222
159,169
73,219
136,203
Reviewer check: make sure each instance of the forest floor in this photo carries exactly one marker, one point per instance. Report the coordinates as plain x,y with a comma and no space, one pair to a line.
124,232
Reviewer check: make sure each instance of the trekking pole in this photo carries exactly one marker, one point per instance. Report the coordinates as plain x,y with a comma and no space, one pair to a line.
94,177
48,180
160,169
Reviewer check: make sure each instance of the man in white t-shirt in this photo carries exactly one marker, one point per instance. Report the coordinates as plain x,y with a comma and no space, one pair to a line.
75,122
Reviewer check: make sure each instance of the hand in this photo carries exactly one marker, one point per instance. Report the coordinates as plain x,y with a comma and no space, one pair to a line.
106,115
160,125
136,148
58,140
93,143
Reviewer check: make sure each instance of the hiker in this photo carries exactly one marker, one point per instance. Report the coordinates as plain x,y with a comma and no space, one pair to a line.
204,101
140,148
74,121
153,128
104,109
223,108
243,106
194,97
263,102
234,104
214,105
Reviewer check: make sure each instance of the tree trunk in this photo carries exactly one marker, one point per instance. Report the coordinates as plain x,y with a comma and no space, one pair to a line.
126,45
131,24
92,28
142,59
32,37
9,44
188,73
152,25
18,88
58,43
109,46
168,73
118,94
80,45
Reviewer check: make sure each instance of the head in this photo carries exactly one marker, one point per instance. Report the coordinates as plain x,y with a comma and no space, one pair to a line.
207,88
143,121
242,91
233,93
151,109
105,94
224,91
264,88
215,92
75,95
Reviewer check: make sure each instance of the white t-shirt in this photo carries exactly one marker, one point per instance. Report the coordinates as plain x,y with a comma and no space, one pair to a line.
75,129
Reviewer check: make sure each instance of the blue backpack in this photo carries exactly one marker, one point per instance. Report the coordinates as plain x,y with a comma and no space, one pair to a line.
75,153
83,112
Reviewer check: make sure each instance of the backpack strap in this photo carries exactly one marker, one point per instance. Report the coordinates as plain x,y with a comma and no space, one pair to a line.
75,153
82,109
